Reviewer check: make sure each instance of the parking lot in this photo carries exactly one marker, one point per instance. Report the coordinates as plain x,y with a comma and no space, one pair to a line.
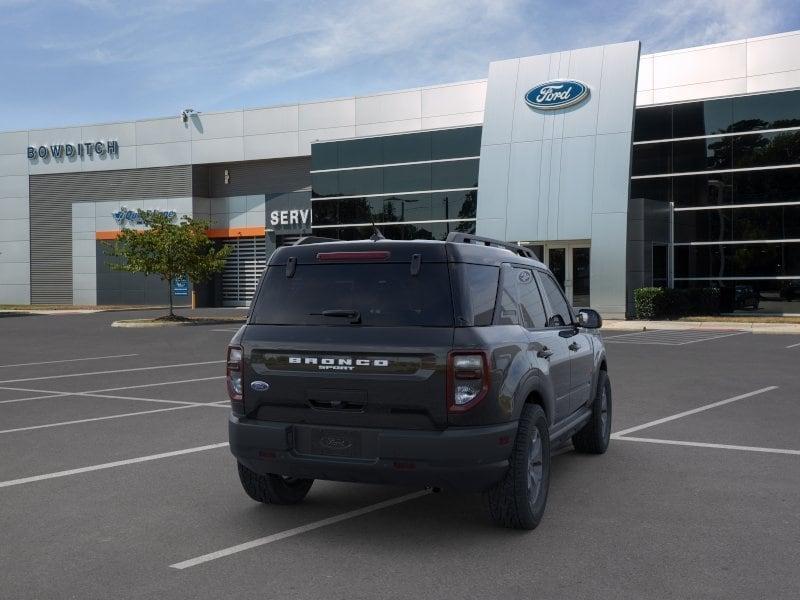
116,481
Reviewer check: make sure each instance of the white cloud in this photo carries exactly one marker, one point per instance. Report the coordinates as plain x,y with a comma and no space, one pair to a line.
427,35
674,24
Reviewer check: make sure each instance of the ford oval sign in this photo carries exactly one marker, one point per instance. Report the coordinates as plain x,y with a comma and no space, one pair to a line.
556,94
259,386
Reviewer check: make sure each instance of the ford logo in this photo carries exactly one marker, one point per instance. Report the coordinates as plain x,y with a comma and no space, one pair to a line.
335,443
259,386
556,94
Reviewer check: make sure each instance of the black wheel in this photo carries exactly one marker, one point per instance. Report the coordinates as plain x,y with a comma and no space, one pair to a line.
273,489
594,436
519,499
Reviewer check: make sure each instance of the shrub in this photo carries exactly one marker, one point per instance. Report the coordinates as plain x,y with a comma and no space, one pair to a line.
648,302
665,303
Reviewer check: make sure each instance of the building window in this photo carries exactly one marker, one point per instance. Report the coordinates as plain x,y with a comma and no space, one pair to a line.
427,180
735,189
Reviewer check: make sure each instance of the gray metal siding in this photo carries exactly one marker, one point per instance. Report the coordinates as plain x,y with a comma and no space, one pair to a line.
260,177
51,198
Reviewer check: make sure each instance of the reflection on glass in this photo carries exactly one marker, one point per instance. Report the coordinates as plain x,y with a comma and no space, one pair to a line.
738,260
580,277
653,123
396,208
754,296
557,261
660,265
727,115
422,231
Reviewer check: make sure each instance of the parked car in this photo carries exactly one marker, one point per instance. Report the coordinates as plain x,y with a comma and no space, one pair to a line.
790,290
455,364
746,296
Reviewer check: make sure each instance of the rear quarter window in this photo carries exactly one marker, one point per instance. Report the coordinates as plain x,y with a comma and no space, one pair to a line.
385,295
475,292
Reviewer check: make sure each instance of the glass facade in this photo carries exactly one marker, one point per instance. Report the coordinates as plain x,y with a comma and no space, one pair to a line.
420,185
731,169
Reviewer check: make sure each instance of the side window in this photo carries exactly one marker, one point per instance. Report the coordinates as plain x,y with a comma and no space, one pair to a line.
508,313
561,314
530,300
476,291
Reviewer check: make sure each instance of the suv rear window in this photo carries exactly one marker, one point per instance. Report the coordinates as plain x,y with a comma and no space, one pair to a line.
384,295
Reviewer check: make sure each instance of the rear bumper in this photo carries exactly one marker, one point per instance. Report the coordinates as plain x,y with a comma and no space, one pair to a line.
463,458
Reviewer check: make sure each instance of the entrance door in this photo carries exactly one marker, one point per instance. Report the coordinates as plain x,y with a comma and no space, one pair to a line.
580,276
570,263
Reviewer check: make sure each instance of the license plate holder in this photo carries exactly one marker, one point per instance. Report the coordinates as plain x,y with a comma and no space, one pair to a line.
344,443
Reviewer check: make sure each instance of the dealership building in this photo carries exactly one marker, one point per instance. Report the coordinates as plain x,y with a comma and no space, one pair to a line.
620,170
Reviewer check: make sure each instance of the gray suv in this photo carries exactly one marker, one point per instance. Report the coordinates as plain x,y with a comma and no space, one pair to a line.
455,364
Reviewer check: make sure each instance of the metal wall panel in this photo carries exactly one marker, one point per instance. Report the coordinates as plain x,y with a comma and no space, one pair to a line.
540,170
259,177
51,198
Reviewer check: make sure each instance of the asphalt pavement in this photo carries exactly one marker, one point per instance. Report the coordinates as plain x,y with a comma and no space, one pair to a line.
116,482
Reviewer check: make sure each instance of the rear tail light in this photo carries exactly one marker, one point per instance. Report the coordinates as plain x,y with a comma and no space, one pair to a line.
233,372
467,379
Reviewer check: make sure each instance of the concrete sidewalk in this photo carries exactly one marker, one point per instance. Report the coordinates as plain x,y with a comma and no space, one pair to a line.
751,326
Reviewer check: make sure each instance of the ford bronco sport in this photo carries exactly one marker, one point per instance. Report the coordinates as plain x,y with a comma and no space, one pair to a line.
455,364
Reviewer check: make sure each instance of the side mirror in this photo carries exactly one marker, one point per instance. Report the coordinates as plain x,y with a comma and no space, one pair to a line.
590,319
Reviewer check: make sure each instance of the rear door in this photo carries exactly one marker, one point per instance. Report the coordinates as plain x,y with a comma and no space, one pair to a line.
348,343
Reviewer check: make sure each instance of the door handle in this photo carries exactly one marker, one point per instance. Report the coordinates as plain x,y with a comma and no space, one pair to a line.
545,352
574,346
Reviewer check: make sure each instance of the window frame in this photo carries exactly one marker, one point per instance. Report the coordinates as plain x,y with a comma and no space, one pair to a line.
532,271
541,274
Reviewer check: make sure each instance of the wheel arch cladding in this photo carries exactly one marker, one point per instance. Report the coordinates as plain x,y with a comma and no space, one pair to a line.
535,391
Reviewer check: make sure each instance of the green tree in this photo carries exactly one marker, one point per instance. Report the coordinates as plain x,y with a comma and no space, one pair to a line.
169,250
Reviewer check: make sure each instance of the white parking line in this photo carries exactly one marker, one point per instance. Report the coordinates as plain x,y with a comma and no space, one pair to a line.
144,385
226,330
110,465
686,413
99,393
195,364
793,346
67,360
43,397
707,445
120,416
115,397
672,337
193,562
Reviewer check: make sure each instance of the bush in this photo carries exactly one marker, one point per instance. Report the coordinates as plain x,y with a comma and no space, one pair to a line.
666,303
648,302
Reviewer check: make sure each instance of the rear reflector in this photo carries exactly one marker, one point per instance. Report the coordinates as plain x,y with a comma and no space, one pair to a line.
344,256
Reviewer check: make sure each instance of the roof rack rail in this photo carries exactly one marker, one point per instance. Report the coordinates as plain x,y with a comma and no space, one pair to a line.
313,239
465,238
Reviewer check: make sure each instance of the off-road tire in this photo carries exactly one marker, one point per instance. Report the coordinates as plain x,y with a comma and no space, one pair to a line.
595,435
273,489
509,502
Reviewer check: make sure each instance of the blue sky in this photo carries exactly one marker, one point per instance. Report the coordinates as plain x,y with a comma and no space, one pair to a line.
74,62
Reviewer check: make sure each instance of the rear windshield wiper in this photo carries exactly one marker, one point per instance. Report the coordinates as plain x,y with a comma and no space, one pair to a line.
345,313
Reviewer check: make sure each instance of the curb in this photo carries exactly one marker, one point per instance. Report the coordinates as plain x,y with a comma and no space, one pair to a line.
144,324
752,327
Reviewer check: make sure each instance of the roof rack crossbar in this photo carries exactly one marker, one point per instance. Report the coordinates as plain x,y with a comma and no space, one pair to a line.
465,238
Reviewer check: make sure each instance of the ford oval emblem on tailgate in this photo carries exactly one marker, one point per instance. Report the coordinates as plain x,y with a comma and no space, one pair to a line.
335,443
259,386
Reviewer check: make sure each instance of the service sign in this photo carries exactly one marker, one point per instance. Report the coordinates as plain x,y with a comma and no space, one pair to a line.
557,94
